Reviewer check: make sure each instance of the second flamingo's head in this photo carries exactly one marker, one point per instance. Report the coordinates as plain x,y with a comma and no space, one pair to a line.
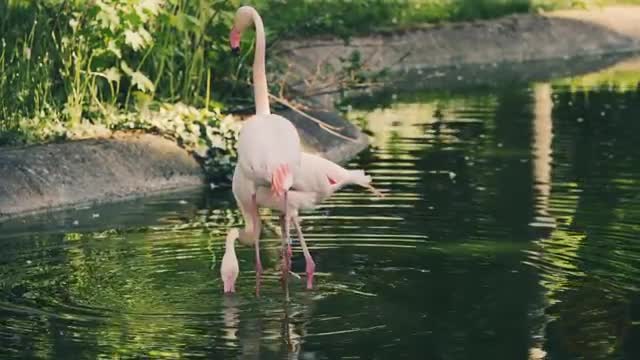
243,18
229,269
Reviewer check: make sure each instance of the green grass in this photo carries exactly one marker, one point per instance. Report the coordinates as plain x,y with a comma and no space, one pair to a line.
82,60
72,68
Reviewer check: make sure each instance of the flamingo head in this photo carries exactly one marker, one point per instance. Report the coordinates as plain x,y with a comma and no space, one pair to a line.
229,269
242,19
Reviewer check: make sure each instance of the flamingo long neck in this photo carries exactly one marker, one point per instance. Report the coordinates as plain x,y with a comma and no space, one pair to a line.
230,246
260,90
252,227
251,232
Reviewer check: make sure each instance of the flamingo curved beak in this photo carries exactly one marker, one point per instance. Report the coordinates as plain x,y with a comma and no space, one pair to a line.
234,40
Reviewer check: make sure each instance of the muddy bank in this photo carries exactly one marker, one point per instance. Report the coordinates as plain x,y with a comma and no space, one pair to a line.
81,172
487,77
335,138
313,64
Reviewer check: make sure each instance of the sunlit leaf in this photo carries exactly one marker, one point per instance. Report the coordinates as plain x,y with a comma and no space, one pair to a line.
134,39
112,74
108,16
152,6
142,82
146,37
125,67
113,47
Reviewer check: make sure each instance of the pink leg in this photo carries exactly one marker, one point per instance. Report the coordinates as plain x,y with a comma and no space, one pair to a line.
287,224
255,233
286,260
258,267
285,256
287,238
256,236
288,253
310,264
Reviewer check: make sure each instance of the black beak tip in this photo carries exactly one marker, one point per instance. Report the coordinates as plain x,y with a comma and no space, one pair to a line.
235,51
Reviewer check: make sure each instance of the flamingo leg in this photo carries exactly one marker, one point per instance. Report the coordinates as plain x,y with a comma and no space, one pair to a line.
256,236
255,232
286,260
310,264
287,238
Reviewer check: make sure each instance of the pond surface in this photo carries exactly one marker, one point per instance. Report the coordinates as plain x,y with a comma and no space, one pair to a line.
510,231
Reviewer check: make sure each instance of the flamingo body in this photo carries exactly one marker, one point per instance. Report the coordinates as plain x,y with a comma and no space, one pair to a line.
266,143
317,180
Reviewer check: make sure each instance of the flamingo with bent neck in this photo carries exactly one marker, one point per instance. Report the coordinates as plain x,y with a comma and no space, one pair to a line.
268,146
229,269
319,179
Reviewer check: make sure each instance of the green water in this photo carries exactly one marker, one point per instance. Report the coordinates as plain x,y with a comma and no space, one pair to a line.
510,231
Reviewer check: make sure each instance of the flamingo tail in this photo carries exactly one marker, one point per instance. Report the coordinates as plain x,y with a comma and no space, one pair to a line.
359,177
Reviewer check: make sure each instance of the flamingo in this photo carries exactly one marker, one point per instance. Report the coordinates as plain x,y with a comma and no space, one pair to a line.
229,269
268,145
319,180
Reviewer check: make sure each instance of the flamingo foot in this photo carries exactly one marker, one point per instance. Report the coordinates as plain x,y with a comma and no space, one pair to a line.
311,267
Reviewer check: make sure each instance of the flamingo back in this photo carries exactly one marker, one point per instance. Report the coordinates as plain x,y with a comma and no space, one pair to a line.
267,142
325,177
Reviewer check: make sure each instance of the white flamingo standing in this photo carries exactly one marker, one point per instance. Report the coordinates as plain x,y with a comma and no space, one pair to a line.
268,145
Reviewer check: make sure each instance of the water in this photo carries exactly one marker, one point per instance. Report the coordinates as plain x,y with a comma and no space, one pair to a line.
510,232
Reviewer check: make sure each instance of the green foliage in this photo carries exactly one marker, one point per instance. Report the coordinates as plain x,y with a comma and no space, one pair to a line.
72,69
207,134
78,57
